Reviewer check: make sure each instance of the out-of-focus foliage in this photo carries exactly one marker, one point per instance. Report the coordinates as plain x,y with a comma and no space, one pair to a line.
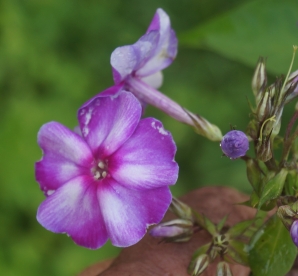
54,55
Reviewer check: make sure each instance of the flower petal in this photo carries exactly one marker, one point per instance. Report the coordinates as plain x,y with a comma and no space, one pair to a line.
113,90
74,209
123,61
108,121
155,80
166,49
65,156
146,160
127,59
127,213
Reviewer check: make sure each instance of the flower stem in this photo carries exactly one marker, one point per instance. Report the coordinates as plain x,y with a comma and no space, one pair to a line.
151,96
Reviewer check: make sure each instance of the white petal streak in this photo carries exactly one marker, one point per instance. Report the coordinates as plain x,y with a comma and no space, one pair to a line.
146,160
74,209
127,213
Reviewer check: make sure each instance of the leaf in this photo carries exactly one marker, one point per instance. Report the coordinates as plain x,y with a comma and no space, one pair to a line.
261,27
273,187
239,228
221,224
254,174
254,199
238,252
210,226
291,183
271,250
205,223
198,218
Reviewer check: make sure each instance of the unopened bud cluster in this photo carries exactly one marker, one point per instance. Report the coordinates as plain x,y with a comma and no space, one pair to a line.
270,103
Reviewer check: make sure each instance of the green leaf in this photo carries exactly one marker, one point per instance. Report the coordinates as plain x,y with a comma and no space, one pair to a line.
210,226
254,173
221,224
198,218
238,251
291,183
254,199
239,228
273,187
261,27
271,250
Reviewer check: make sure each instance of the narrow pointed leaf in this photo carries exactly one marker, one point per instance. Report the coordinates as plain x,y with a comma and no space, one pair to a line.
238,252
273,187
221,224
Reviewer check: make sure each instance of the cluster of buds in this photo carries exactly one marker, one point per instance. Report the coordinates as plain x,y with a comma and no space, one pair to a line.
220,246
270,102
226,243
223,268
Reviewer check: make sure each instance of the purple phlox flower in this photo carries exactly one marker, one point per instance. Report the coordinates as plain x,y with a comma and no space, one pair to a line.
112,181
145,59
294,232
234,144
137,68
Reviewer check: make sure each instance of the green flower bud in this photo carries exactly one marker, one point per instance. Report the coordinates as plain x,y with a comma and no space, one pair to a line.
259,80
287,215
264,106
205,128
201,263
180,209
223,269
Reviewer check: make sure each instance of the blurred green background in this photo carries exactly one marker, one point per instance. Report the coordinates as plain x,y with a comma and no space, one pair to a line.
54,55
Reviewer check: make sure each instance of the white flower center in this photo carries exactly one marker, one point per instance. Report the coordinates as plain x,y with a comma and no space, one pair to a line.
100,170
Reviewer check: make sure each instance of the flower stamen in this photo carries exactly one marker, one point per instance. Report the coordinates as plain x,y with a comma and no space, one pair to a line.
101,165
100,170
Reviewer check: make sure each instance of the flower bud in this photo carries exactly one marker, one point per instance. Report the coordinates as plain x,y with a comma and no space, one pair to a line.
264,106
292,83
234,144
287,215
264,150
180,209
178,230
205,128
259,79
294,232
223,269
201,263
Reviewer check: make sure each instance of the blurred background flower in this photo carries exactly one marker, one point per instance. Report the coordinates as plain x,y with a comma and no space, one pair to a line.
55,55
